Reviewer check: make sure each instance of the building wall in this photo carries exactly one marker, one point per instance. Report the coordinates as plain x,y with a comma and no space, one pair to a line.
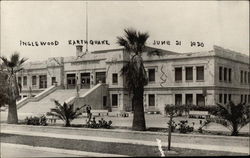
164,87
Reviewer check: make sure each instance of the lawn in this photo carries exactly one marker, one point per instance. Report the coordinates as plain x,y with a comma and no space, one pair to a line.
106,147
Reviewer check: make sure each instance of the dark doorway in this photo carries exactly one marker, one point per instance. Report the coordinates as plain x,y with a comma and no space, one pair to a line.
200,100
189,99
178,99
71,81
43,81
85,80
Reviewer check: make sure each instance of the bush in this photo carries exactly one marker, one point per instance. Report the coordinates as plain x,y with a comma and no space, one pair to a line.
184,127
174,125
100,124
34,120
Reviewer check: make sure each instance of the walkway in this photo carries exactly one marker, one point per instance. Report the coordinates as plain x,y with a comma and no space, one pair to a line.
212,143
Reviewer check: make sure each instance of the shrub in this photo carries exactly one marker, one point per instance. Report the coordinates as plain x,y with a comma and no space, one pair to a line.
232,116
184,127
100,124
65,112
35,120
174,125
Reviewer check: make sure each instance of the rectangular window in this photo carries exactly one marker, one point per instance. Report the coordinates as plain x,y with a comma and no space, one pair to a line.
200,73
229,97
245,101
178,99
225,74
200,100
241,98
115,78
114,100
53,80
104,101
189,99
19,80
178,74
100,77
248,98
241,76
229,74
220,73
220,98
225,98
25,81
33,80
248,77
245,77
151,100
151,75
189,73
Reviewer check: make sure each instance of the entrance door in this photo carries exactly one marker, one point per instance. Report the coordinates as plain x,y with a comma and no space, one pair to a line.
85,80
43,81
71,81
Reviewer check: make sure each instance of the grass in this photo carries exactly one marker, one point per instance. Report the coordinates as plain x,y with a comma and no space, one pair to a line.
106,147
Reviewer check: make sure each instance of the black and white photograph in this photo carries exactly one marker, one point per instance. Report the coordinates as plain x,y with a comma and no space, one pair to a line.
124,78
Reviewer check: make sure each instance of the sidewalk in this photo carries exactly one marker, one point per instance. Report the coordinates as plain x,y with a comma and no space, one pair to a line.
12,150
135,139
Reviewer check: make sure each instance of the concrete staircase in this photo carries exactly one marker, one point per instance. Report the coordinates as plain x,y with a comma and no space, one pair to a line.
45,104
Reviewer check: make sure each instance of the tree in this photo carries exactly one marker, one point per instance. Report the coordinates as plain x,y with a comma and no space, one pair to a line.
135,74
232,116
172,111
12,66
65,112
3,89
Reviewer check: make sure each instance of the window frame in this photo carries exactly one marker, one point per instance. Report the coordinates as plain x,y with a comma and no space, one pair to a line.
25,81
175,74
149,100
203,74
113,78
112,101
34,78
220,73
190,70
151,69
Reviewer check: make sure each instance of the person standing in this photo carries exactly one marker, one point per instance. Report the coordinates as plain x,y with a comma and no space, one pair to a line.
89,114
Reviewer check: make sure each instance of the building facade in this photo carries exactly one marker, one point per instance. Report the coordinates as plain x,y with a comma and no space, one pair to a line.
201,78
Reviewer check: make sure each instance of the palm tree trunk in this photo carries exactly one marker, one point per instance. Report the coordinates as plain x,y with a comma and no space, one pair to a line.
67,124
12,112
170,132
139,118
235,131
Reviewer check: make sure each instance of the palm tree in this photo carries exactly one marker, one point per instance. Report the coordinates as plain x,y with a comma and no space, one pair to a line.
65,112
135,74
12,66
3,89
232,116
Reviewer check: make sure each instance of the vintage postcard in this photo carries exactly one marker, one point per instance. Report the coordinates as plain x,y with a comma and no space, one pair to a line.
124,78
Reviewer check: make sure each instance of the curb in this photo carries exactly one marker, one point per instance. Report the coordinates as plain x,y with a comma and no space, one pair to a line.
128,131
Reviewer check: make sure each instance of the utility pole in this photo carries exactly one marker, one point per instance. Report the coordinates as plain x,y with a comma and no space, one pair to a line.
87,27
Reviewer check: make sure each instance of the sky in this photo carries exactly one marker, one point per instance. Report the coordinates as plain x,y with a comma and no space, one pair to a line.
222,23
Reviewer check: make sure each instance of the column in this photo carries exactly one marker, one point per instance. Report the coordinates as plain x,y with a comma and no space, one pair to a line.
194,73
92,78
183,74
183,98
194,98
